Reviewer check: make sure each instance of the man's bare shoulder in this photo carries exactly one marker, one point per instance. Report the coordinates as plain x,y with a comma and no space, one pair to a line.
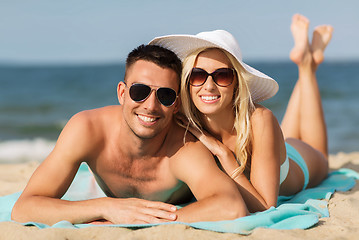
94,118
88,128
98,113
190,159
189,148
178,137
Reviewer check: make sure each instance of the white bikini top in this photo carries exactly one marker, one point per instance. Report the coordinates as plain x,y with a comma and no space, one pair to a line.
284,169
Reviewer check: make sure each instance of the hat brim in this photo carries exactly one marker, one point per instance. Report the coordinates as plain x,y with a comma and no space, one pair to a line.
261,86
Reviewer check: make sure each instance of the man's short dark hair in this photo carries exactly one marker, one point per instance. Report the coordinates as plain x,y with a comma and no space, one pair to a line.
155,54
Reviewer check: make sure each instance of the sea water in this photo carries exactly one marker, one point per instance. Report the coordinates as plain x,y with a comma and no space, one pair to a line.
37,101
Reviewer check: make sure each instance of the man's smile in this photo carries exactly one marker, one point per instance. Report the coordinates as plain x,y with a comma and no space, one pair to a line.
147,119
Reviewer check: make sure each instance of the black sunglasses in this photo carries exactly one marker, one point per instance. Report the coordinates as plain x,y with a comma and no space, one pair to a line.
223,77
140,92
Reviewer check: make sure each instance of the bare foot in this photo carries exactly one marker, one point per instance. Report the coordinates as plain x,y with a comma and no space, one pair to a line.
321,37
299,28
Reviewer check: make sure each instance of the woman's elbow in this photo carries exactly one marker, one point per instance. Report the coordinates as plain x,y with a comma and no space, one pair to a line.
268,205
260,206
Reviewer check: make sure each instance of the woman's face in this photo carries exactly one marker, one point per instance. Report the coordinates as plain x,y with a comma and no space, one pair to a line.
209,98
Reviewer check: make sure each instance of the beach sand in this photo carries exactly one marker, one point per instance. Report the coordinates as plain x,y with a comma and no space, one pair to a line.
343,222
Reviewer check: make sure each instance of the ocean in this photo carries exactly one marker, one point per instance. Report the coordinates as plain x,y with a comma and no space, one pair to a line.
37,101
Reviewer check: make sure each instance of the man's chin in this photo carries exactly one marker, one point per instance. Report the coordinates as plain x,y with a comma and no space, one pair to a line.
146,134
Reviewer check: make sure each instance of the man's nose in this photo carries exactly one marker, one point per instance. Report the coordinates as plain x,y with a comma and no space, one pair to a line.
151,102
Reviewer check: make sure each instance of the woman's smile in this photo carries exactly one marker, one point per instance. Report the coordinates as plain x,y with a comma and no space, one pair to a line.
210,98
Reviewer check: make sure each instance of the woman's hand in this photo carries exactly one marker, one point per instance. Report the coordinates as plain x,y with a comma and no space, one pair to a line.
217,148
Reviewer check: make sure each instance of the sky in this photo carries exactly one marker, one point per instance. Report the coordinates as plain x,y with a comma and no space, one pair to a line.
104,31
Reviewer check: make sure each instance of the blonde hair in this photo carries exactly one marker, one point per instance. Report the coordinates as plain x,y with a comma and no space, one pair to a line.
242,105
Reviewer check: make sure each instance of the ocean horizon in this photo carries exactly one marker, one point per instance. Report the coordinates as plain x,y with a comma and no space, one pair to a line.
36,101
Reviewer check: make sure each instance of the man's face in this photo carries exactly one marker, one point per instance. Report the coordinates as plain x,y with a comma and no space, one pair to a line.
148,118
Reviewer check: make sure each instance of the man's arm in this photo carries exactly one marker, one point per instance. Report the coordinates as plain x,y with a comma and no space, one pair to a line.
217,195
40,201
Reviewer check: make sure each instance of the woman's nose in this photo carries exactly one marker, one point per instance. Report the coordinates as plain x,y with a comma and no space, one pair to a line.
209,84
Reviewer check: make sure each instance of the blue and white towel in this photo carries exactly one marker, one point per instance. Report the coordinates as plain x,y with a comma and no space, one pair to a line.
302,210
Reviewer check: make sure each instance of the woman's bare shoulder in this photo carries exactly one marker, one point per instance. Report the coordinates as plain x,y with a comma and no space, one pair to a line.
261,114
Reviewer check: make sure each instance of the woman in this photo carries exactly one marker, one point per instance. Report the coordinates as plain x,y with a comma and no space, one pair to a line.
220,96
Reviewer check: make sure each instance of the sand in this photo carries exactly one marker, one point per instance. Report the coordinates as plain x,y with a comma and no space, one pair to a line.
343,222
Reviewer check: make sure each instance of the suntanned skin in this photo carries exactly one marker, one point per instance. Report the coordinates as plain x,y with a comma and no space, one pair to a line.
303,125
138,157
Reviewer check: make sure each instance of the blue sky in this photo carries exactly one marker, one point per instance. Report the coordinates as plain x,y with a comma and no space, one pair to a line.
95,31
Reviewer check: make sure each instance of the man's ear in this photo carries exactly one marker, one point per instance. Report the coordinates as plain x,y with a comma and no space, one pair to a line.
121,92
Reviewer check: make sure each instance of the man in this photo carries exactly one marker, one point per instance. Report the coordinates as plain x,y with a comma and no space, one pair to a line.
138,156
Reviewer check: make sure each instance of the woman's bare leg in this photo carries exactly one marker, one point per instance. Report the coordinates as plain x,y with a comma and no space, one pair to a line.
321,37
291,121
304,118
313,127
303,124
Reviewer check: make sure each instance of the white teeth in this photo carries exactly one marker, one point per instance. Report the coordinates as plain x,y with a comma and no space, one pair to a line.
147,119
209,98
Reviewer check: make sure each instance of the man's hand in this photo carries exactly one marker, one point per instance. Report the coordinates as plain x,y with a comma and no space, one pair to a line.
138,211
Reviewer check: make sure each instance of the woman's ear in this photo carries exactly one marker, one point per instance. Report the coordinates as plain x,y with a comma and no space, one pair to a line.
120,92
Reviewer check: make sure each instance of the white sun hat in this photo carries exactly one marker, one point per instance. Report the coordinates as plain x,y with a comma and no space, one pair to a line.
261,86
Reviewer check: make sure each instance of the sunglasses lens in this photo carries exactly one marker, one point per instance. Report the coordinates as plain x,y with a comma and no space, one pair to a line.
223,76
198,77
166,96
139,92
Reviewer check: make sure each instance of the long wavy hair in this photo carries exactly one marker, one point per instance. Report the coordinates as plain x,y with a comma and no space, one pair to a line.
243,106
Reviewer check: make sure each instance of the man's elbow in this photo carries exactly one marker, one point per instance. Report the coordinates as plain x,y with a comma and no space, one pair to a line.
235,208
235,212
18,214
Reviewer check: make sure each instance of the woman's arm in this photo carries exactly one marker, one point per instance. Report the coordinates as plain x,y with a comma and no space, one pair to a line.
268,150
261,192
